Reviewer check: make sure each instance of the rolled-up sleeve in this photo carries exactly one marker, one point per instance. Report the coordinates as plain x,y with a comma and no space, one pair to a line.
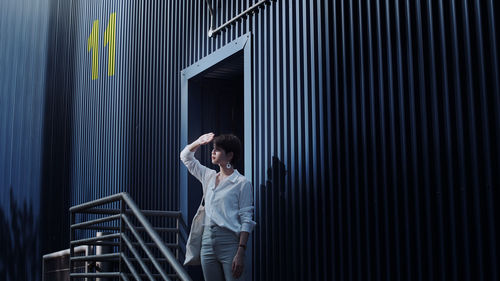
193,165
246,208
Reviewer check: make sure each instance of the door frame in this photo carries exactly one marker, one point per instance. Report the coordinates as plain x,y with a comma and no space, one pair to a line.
242,43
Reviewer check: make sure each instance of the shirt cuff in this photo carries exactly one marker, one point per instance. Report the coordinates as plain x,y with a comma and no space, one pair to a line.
186,153
248,227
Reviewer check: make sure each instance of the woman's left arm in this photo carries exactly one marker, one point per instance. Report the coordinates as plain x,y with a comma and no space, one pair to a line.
243,242
247,225
246,208
238,261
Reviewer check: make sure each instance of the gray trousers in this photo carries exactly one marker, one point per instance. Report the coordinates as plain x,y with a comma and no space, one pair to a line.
218,248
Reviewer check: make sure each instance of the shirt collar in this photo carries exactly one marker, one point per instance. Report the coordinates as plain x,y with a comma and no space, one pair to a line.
232,178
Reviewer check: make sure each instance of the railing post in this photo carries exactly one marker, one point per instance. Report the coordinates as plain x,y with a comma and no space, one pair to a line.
122,230
105,266
71,248
177,239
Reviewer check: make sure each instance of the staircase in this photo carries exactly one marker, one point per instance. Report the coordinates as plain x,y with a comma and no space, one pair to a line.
124,244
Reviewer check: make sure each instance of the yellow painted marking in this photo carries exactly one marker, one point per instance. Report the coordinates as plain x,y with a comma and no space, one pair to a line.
110,37
93,44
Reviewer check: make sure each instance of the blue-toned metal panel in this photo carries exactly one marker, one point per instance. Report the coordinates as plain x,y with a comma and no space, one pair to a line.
375,125
23,48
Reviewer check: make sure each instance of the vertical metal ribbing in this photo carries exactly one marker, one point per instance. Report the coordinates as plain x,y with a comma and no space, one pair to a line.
316,178
410,180
304,133
492,38
334,106
461,173
172,94
491,210
285,63
485,151
345,228
159,126
259,118
355,227
277,144
373,136
422,159
144,134
324,115
436,150
196,31
267,143
389,266
366,246
292,133
449,154
225,18
473,181
257,236
394,180
336,237
147,95
190,34
264,120
378,265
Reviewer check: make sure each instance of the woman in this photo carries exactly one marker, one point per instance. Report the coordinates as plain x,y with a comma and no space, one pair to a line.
228,207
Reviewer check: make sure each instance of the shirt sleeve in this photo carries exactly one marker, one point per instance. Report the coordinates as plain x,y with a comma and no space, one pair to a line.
193,165
246,208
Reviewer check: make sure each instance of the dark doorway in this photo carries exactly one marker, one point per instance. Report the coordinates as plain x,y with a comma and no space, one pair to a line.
216,105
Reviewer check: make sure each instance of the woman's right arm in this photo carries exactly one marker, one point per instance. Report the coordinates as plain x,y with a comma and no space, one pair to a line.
193,165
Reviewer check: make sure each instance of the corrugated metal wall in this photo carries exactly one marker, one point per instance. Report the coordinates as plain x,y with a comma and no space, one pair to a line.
416,148
375,142
23,48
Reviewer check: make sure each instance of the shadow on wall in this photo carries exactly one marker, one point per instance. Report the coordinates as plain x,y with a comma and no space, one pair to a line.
272,223
58,127
19,258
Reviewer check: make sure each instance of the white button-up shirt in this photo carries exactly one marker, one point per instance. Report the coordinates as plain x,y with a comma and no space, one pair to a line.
228,205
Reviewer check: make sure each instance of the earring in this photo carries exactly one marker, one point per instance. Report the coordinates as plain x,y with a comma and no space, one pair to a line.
228,165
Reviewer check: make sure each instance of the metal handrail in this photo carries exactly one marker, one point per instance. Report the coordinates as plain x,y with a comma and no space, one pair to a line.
145,248
172,214
139,215
214,31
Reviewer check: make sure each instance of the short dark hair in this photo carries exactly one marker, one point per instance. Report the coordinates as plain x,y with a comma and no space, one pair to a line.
230,143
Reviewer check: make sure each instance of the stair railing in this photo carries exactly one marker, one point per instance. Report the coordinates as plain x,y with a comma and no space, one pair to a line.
119,223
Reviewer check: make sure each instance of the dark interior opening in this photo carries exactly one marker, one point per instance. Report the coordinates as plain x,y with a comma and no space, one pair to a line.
215,104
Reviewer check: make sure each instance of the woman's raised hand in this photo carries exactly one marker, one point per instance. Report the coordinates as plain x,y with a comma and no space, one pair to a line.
206,138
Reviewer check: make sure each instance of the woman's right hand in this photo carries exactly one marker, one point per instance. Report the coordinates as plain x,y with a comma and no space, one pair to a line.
206,138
